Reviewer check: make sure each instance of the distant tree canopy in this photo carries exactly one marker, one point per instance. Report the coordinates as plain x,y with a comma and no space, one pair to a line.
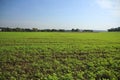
15,29
75,30
114,29
7,29
87,31
78,30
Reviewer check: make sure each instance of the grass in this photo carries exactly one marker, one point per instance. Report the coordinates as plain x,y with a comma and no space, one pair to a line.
59,56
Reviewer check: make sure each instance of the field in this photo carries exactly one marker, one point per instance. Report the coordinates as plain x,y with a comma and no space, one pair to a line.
59,56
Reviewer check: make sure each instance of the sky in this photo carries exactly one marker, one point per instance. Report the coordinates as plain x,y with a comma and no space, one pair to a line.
60,14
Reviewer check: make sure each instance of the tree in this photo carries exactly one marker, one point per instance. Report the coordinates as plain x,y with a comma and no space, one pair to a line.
87,30
75,30
114,29
34,29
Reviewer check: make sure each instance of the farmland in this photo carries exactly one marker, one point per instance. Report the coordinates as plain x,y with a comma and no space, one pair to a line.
59,56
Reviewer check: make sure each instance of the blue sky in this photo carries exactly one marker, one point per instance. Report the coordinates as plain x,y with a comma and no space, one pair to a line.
60,14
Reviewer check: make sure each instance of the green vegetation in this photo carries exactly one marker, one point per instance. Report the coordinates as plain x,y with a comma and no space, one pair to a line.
7,29
114,29
59,56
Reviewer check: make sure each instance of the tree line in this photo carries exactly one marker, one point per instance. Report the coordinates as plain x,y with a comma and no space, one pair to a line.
114,29
7,29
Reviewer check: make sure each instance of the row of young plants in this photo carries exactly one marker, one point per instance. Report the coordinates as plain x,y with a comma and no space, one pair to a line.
43,65
59,56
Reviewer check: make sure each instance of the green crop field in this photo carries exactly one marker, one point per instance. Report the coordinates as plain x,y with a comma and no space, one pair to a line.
59,56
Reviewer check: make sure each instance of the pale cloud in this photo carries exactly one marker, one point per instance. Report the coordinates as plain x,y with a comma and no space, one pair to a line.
107,4
112,5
